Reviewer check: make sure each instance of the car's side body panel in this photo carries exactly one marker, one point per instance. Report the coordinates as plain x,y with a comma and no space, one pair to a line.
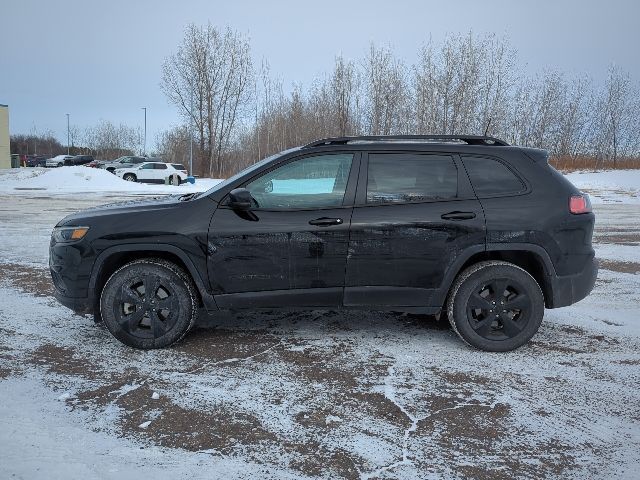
278,257
400,253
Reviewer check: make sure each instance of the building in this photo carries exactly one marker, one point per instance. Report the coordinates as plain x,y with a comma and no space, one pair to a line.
5,152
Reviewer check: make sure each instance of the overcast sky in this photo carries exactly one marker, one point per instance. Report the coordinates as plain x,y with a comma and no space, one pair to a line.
103,59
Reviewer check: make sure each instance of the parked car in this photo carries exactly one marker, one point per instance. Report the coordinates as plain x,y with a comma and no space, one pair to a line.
78,160
467,227
154,172
95,163
123,162
58,160
35,161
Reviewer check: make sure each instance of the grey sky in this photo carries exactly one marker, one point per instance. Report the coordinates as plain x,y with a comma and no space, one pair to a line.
103,59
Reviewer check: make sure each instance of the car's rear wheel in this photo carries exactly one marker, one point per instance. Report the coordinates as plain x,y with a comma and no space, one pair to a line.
149,303
129,177
495,306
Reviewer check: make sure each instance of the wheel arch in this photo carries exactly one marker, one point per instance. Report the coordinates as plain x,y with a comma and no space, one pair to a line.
115,257
531,258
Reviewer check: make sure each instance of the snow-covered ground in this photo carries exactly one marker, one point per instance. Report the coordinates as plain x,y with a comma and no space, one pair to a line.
83,180
316,394
609,186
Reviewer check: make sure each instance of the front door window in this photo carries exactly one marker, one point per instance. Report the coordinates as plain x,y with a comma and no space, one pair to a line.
312,182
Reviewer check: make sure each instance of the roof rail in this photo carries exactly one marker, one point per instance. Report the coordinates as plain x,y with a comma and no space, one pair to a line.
468,139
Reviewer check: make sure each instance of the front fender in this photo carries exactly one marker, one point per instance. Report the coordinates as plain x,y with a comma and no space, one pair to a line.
193,271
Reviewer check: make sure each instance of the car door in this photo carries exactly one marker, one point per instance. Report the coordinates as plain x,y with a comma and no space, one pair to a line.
415,216
146,173
290,249
160,172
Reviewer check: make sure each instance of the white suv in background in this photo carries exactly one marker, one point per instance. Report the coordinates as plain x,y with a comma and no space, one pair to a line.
58,160
154,172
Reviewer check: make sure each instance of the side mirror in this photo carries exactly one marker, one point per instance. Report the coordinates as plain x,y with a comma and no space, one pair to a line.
240,199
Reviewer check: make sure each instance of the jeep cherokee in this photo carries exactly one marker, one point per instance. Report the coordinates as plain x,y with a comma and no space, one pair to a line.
468,226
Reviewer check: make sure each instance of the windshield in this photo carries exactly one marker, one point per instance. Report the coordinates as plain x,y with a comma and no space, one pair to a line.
247,170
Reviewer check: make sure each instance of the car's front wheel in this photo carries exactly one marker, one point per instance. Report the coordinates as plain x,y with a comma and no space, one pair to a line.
129,177
149,303
495,306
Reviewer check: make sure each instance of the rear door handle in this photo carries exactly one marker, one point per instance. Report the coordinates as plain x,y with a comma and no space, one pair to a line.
458,216
325,221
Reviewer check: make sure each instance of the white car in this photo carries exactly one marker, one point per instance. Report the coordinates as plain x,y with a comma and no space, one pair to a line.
58,160
154,172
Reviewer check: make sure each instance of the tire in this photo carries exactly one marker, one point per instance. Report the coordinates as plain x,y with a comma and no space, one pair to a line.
129,177
60,164
140,321
481,288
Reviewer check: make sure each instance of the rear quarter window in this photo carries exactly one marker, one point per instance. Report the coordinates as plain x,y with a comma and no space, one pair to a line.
490,177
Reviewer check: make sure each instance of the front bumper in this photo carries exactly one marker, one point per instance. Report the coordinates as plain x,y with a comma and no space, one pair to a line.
81,306
569,289
70,266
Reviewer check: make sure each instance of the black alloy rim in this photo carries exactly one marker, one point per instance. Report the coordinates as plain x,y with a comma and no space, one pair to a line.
146,307
499,310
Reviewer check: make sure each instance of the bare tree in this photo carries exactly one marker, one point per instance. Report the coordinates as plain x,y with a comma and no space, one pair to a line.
173,145
386,89
614,132
344,85
107,140
210,80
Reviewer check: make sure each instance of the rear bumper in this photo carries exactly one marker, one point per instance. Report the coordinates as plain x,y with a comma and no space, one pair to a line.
569,289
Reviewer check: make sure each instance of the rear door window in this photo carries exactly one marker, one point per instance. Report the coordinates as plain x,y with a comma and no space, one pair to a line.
407,177
490,177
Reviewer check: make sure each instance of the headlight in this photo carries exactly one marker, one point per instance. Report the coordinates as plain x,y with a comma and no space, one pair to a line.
69,234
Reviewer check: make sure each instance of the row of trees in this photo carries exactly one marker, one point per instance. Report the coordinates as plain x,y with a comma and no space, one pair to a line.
465,85
105,140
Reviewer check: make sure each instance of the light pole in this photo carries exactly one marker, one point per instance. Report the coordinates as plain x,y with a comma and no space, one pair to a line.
191,135
144,148
68,134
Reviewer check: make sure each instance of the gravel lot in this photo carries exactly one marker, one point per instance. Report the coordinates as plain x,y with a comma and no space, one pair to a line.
315,394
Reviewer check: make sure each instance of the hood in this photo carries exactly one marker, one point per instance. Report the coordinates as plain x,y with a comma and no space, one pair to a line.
93,214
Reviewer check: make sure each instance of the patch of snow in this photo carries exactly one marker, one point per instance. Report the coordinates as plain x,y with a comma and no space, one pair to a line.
332,419
609,186
81,179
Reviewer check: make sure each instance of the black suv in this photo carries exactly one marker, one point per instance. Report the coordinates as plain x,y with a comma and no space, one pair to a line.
486,232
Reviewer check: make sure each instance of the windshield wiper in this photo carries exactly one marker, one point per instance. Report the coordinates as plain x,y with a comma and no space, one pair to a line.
189,196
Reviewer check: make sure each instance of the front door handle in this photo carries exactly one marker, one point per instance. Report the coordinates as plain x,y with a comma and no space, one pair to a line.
325,221
458,216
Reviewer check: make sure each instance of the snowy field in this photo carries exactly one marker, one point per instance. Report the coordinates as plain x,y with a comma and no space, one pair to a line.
320,394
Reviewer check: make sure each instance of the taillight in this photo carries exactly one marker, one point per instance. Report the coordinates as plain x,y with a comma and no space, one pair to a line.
579,204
